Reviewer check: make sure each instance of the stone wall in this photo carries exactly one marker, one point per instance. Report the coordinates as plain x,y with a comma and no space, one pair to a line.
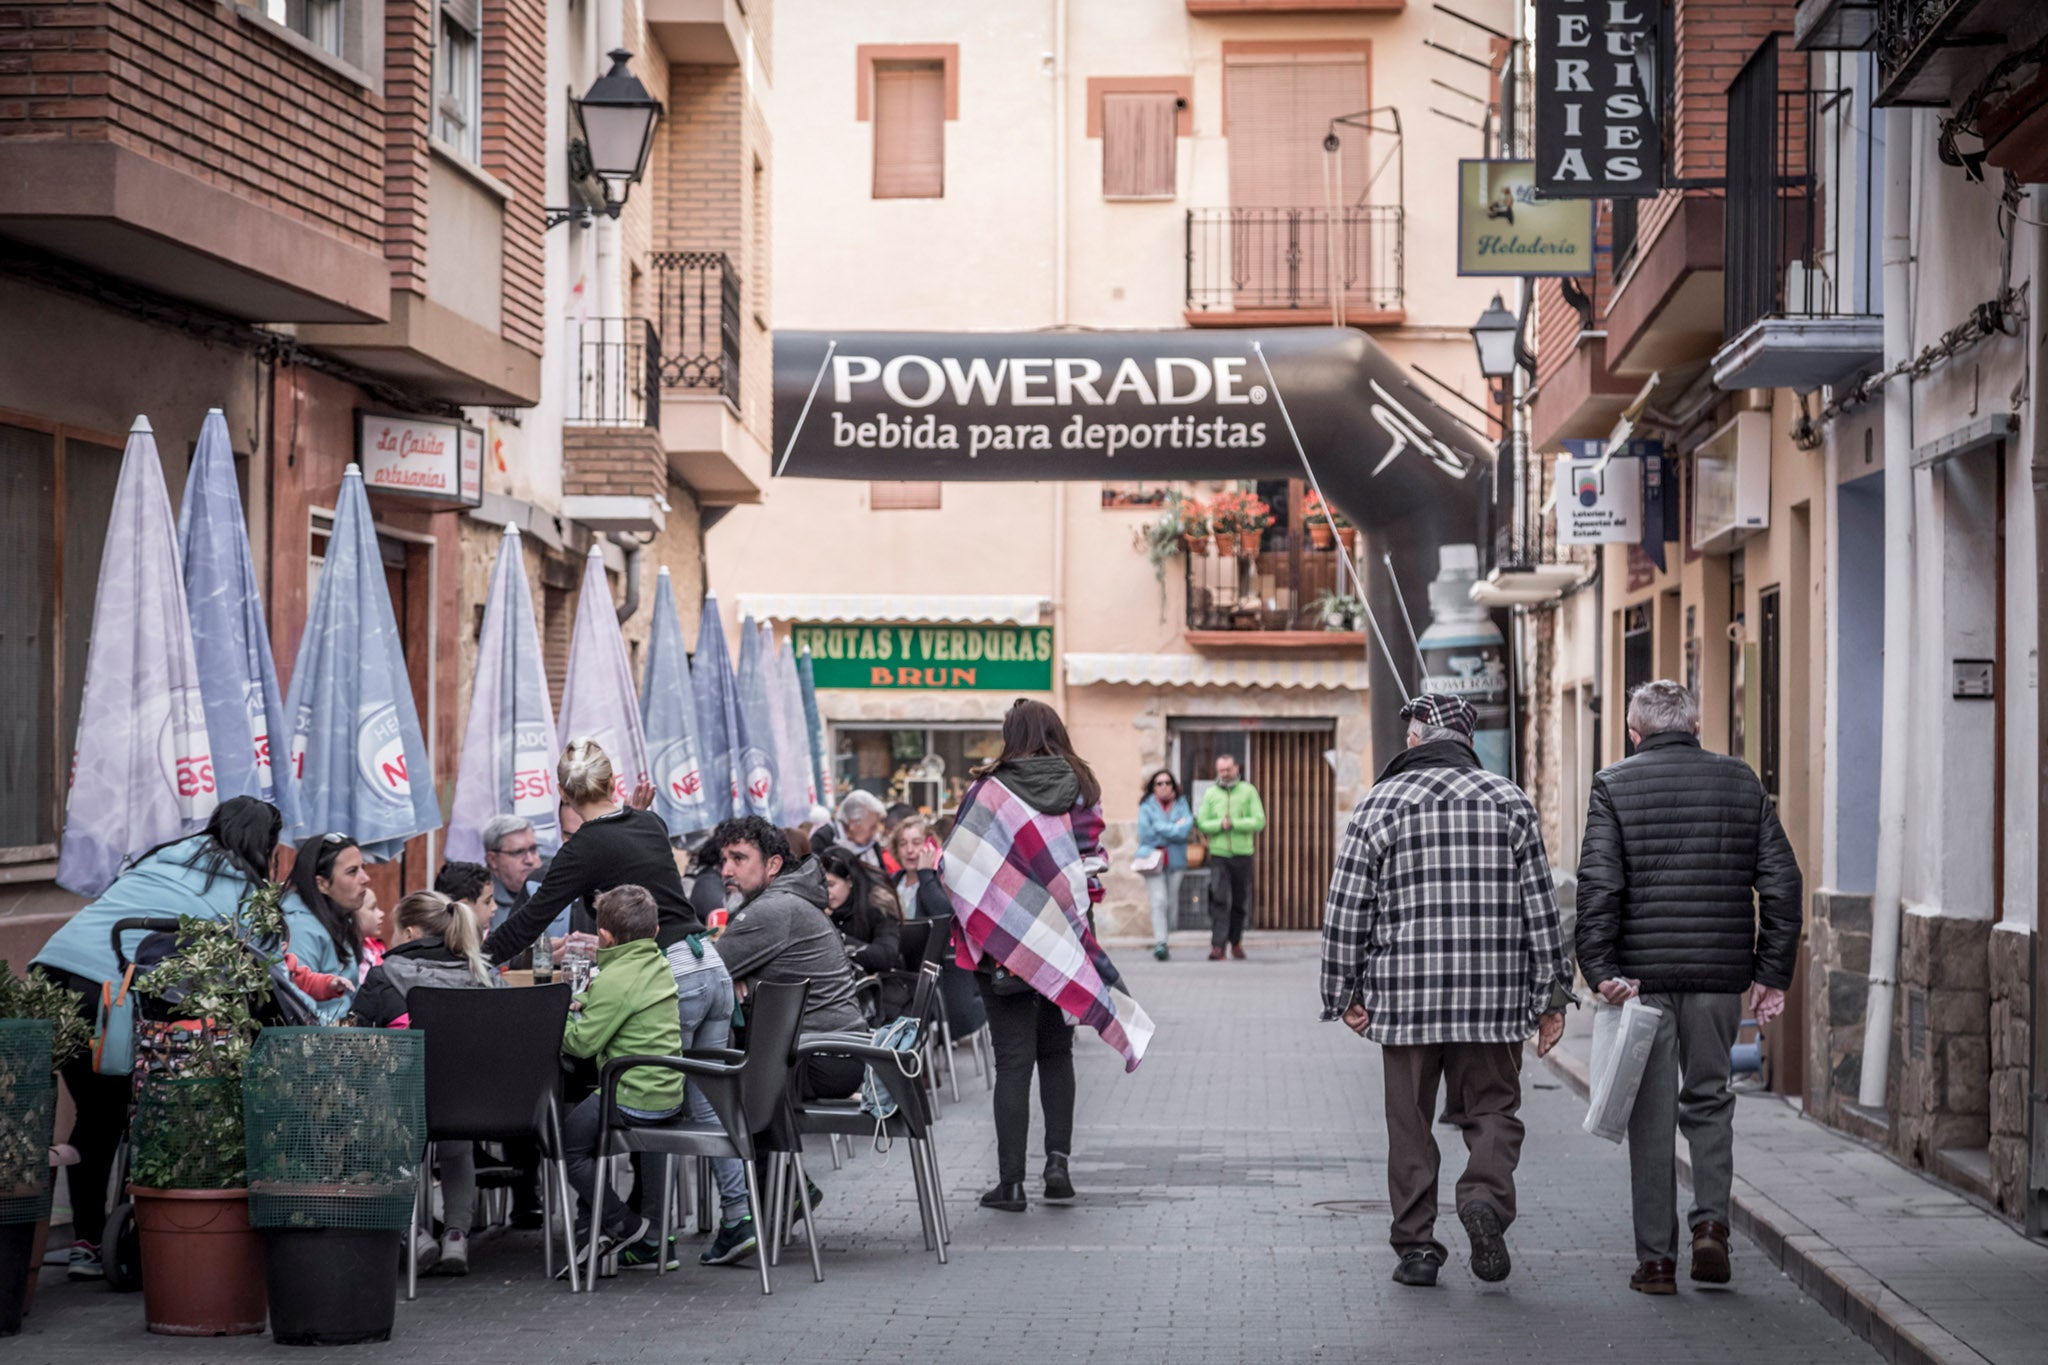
2011,1044
1837,966
1943,1069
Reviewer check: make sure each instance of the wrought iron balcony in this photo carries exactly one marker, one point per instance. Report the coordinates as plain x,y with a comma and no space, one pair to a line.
1270,590
616,375
1298,261
1936,51
1800,286
698,315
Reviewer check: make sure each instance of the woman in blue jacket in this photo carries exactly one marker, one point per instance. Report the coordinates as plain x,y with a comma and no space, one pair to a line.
1164,824
329,882
204,876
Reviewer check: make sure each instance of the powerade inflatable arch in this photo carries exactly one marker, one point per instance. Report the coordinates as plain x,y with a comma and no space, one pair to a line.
1032,406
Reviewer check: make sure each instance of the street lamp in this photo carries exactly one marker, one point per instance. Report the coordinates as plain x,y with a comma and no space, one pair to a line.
1494,336
617,117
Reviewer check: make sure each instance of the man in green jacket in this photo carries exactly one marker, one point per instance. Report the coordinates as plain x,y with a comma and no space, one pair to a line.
1231,814
629,1009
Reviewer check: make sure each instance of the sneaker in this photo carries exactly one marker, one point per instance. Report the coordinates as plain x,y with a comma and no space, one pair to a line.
84,1263
1159,952
1489,1241
426,1249
454,1255
645,1255
733,1244
796,1205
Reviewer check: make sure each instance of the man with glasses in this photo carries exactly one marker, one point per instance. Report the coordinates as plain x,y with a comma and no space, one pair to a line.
512,853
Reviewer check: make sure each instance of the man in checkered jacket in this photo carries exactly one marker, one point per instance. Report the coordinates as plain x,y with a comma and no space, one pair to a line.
1441,943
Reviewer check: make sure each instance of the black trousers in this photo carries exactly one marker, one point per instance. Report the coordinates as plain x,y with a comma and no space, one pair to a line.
100,1104
1029,1033
1230,898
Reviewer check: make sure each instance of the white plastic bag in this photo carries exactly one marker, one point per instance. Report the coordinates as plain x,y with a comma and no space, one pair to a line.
1621,1051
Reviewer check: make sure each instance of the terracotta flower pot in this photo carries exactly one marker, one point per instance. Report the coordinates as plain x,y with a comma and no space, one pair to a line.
1321,535
202,1264
1349,535
1226,543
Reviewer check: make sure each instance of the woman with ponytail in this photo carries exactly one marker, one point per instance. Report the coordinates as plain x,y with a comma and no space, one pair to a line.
435,943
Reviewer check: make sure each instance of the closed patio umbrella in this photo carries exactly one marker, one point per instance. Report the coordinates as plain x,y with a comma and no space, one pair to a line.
668,715
141,770
814,725
793,743
756,745
598,700
510,745
711,676
237,677
357,752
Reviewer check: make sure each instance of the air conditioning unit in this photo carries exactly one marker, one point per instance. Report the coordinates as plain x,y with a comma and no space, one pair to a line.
1731,484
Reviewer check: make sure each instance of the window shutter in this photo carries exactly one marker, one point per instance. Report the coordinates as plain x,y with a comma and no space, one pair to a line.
468,13
903,496
1138,145
910,130
1280,106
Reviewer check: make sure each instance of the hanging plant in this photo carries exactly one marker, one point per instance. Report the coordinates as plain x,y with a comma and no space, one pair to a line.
1161,539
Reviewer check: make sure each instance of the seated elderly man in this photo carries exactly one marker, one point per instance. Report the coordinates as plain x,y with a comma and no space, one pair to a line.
859,827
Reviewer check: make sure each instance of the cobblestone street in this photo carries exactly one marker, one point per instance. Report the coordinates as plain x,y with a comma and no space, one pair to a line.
1232,1209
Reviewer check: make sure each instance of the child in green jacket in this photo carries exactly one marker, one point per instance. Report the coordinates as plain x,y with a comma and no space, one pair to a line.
629,1009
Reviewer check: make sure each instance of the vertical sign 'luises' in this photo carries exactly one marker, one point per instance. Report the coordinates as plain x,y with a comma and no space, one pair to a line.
1596,84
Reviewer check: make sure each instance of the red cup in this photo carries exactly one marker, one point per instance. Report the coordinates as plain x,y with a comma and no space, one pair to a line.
716,919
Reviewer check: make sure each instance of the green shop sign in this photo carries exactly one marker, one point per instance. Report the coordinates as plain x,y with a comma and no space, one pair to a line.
930,658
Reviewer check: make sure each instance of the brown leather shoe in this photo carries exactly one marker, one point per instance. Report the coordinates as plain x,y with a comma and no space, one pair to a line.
1710,1252
1237,951
1215,954
1655,1277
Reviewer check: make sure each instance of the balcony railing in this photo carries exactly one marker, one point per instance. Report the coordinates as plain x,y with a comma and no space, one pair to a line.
1911,35
1802,200
1295,259
698,316
1276,589
616,381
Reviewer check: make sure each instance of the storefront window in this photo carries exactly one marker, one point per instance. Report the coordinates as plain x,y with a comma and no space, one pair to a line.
926,767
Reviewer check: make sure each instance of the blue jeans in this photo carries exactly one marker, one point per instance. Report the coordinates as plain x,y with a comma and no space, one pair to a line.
704,1000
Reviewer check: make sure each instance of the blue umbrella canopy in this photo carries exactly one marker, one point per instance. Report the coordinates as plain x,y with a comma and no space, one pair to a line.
598,700
711,674
357,754
792,738
756,737
814,725
668,714
141,774
510,746
237,678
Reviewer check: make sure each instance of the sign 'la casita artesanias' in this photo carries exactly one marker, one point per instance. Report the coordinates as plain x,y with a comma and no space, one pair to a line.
1156,406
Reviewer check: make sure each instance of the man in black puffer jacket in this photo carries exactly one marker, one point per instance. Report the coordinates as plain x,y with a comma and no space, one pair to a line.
1688,895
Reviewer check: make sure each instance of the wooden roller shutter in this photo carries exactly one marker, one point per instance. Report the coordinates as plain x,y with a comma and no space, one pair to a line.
910,130
1139,140
1292,871
1277,110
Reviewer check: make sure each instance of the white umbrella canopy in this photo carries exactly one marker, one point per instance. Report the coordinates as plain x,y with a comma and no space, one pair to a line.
794,777
510,745
142,766
598,700
756,711
668,714
357,752
711,677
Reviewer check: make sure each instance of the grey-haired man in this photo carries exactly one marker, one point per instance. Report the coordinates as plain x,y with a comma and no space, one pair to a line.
512,854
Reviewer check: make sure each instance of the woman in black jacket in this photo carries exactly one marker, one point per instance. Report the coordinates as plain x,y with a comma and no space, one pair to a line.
864,911
615,845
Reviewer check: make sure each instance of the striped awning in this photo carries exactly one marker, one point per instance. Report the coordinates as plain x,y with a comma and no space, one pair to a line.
964,608
1196,670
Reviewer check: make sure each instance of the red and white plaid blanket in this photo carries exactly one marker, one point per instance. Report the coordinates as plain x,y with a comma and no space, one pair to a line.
1020,896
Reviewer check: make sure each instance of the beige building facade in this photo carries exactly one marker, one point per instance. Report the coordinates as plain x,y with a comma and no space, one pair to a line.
1147,165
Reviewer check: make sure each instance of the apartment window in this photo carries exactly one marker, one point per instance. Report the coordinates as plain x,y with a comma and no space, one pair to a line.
1140,133
56,493
904,496
458,78
910,130
317,21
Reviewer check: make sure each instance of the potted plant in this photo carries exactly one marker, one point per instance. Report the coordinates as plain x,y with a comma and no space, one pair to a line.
1194,526
335,1122
202,1261
1340,611
40,1031
1317,515
1240,520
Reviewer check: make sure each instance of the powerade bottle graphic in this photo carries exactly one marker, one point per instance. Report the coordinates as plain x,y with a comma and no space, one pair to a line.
1463,654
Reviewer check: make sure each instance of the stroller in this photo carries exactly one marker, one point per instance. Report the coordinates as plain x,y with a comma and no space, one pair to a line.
165,1046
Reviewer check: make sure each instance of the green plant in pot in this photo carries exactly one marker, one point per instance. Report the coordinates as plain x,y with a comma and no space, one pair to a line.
28,1113
202,1260
336,1128
1162,538
1340,611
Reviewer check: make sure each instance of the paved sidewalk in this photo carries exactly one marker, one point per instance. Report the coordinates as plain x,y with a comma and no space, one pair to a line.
1232,1209
1912,1267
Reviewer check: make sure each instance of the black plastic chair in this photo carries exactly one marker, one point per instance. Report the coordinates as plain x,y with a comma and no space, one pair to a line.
911,1123
748,1091
494,1074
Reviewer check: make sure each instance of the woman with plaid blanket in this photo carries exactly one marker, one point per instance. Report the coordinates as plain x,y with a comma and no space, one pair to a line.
1016,870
